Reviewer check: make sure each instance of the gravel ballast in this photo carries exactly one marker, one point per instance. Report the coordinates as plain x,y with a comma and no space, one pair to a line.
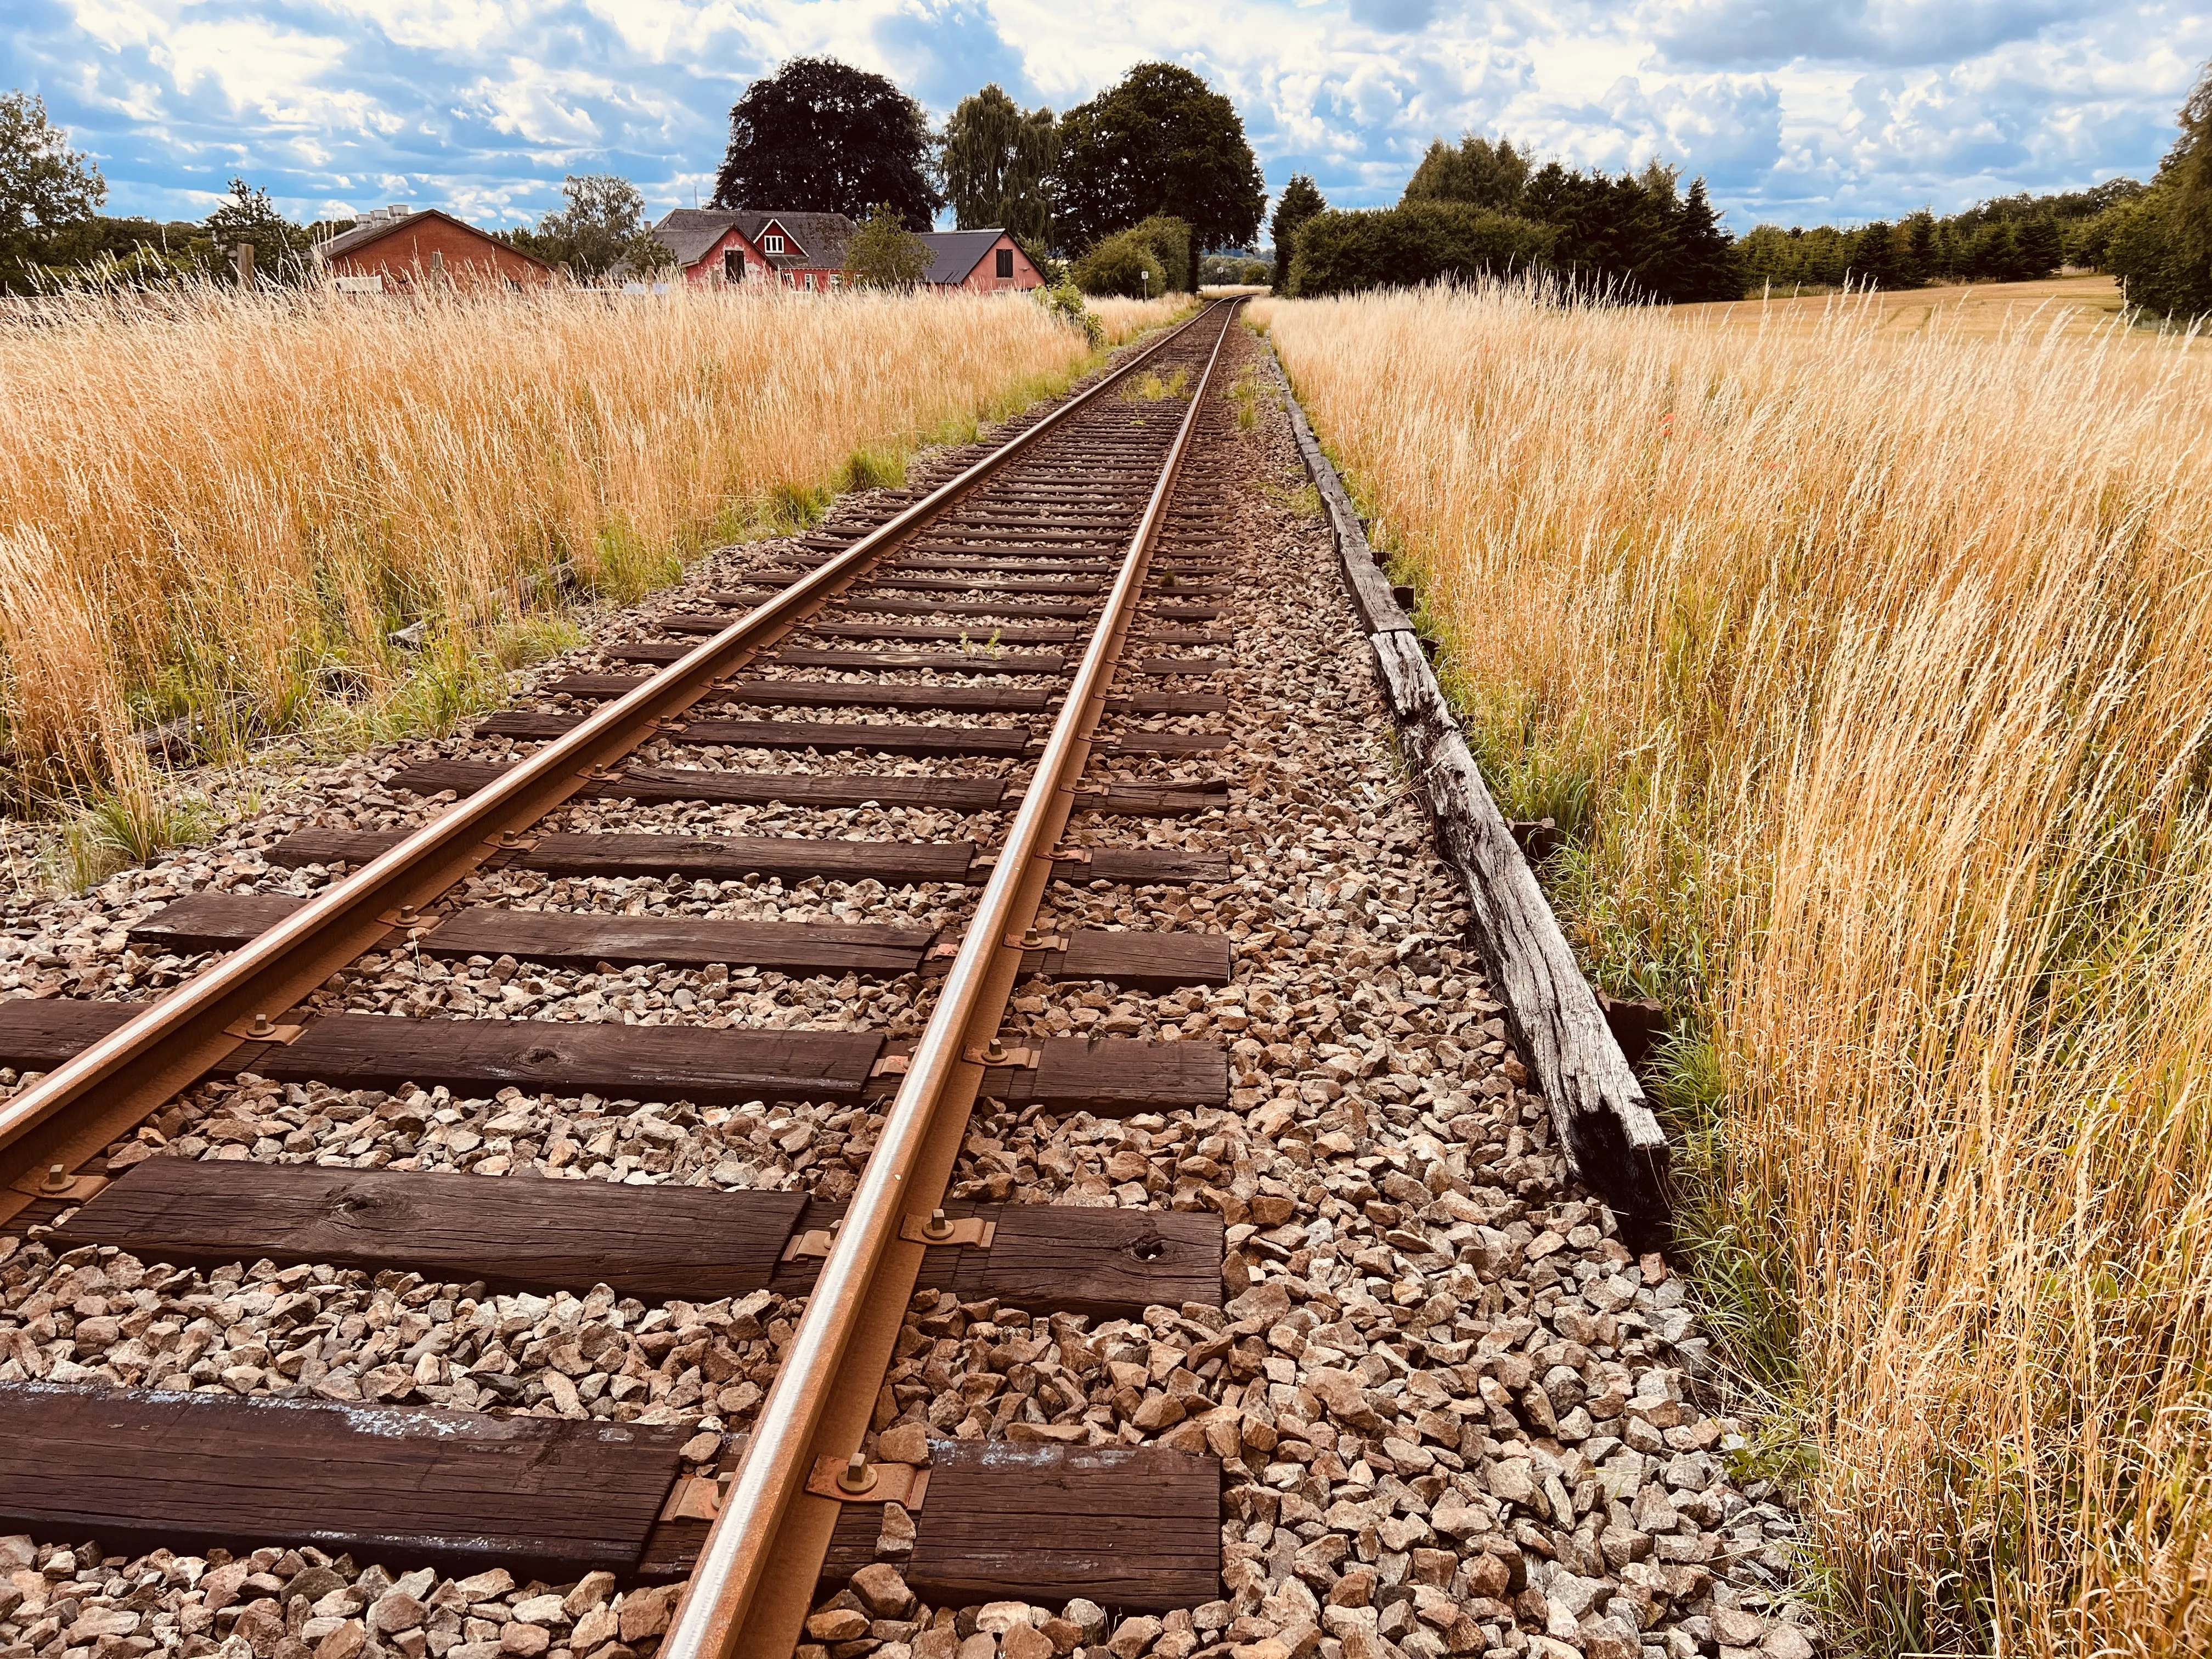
1455,1415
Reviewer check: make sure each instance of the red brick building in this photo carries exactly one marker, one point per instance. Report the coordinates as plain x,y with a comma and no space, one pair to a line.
393,249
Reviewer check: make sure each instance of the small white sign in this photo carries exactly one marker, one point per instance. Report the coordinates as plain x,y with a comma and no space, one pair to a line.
373,283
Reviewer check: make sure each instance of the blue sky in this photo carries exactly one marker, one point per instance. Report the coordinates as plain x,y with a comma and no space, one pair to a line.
1795,113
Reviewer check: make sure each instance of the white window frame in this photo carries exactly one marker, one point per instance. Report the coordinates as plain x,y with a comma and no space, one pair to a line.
771,244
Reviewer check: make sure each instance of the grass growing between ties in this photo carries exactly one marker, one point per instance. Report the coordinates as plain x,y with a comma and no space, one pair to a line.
307,513
1868,671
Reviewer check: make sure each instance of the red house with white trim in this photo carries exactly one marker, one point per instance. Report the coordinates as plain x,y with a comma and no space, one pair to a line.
719,246
807,251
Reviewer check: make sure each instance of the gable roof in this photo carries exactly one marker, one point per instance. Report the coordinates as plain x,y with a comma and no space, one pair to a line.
821,238
377,225
954,255
689,234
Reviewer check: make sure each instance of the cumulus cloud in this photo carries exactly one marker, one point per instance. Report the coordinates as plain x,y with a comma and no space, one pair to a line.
1858,109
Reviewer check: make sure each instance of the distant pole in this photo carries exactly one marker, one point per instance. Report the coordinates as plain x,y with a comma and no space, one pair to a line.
243,253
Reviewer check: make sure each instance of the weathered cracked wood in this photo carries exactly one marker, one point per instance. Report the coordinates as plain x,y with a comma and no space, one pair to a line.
463,1491
1061,1258
223,921
1128,1526
541,1056
1611,1140
654,1241
649,784
1132,1527
691,858
1606,1125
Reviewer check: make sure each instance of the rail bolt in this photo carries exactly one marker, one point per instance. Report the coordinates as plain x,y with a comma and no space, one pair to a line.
856,1476
994,1053
56,1178
262,1026
937,1226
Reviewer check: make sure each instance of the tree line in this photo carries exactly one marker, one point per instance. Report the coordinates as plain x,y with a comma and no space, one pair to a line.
1481,207
1151,186
2155,238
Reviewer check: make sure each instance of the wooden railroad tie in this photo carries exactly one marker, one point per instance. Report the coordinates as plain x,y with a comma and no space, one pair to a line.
697,1243
788,858
1126,1526
1137,961
649,784
1115,1077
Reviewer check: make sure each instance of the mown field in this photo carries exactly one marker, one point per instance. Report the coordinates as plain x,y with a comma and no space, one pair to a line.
229,503
1868,667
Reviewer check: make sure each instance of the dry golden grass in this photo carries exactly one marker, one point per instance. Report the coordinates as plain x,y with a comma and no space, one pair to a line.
1872,669
2083,306
213,499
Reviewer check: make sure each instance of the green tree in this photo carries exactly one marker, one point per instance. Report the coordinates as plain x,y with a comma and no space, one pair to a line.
1413,242
2161,245
1874,255
997,164
44,186
1160,141
600,225
1916,240
1706,265
2039,249
883,253
1300,201
280,247
1122,264
1478,173
825,137
1168,237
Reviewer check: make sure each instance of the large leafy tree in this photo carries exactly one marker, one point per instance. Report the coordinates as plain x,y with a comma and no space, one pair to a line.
821,136
1159,141
1478,173
997,163
44,186
2161,242
1301,200
601,224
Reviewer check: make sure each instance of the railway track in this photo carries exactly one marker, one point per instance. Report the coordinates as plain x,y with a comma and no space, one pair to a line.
1010,594
964,855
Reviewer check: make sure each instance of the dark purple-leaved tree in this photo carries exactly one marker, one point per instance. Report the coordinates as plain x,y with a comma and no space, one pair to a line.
821,136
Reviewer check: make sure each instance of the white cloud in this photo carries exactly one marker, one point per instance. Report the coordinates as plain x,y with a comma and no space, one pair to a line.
1858,108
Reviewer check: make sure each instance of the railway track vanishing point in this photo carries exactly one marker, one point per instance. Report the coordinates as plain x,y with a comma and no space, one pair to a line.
1239,1272
1027,521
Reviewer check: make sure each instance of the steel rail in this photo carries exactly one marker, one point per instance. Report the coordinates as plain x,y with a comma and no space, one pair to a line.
177,1041
779,1457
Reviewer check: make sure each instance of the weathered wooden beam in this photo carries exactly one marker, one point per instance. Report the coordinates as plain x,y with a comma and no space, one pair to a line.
1613,1143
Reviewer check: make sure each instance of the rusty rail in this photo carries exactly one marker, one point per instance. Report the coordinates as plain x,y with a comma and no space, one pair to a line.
100,1093
948,1063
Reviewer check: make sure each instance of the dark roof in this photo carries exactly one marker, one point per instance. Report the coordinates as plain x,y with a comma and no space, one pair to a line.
362,234
954,254
820,237
688,233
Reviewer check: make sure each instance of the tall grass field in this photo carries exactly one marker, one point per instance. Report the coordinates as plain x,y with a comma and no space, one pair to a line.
228,502
1872,672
